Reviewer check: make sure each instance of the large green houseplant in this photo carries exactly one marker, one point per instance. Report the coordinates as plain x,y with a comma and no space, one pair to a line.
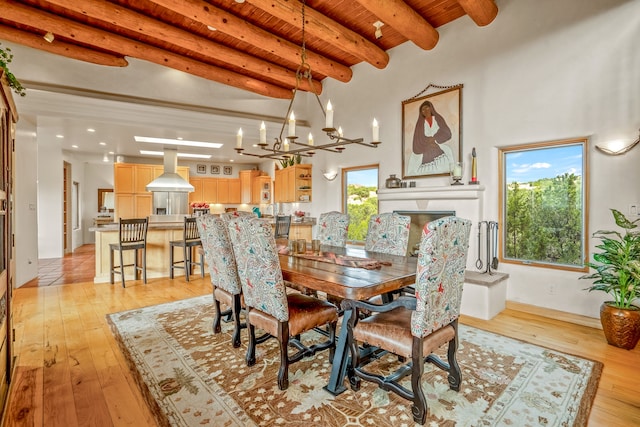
617,272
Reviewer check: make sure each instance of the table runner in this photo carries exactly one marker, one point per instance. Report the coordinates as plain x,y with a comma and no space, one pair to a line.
333,258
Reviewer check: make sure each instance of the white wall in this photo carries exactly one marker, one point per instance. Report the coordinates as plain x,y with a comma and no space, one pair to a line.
50,199
543,70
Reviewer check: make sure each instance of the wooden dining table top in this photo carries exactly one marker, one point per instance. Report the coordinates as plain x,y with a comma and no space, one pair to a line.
350,282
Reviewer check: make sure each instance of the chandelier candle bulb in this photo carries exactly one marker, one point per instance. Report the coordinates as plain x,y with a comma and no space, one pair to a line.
376,130
310,139
239,139
263,133
340,134
329,118
292,124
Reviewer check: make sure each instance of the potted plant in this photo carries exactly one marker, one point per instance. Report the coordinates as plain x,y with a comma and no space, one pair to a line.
617,272
5,58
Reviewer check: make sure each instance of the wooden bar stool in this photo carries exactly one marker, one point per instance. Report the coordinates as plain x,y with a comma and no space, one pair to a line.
132,236
190,240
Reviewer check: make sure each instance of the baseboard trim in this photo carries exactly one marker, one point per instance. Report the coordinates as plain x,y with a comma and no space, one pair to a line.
578,319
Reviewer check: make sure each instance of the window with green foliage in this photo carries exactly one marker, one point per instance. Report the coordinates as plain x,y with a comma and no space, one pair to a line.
543,204
359,199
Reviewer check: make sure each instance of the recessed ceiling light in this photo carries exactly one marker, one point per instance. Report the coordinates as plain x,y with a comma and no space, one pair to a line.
177,142
183,155
90,130
102,143
180,138
231,160
112,152
59,136
74,146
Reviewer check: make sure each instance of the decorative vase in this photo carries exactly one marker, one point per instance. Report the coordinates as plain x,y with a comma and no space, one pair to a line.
621,326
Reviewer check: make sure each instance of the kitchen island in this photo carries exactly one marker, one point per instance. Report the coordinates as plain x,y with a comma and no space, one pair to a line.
162,229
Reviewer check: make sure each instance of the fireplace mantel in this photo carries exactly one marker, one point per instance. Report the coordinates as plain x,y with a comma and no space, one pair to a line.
450,192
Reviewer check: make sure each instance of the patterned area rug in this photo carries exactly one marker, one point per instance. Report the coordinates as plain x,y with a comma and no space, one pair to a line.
191,377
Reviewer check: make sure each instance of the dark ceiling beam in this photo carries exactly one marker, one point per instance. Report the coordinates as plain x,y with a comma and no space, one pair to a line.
109,13
13,11
405,20
242,30
61,48
483,12
325,29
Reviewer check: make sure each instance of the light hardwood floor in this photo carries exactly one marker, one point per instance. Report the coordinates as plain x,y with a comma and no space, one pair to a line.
70,372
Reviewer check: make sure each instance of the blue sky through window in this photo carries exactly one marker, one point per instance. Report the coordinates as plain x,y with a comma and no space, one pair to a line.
365,177
532,165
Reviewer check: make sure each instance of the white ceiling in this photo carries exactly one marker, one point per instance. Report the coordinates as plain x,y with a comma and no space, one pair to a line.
67,97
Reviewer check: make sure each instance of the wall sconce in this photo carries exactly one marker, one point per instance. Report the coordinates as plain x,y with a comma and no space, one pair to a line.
49,37
329,175
617,147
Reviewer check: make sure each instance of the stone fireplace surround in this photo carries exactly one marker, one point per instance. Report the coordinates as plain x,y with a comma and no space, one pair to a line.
484,295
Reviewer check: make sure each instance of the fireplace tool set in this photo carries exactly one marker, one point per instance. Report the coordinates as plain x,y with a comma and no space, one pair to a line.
487,231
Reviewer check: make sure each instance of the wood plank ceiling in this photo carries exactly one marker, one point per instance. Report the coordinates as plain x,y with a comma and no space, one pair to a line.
249,44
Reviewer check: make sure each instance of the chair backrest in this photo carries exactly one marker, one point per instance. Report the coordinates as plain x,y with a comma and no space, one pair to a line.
333,228
259,266
235,214
442,261
133,230
388,233
283,224
190,231
214,237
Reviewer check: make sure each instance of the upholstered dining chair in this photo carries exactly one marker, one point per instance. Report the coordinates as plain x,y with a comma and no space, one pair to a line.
222,271
333,228
190,240
414,327
235,214
269,307
388,233
283,224
132,236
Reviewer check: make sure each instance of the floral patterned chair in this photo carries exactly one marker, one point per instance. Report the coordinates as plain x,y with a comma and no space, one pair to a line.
413,327
333,228
222,270
269,307
388,233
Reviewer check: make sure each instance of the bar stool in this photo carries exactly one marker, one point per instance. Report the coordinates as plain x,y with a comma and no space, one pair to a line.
132,236
190,240
283,224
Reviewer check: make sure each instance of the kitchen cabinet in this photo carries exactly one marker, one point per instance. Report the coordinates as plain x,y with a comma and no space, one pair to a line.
261,190
133,205
143,175
247,179
123,177
293,184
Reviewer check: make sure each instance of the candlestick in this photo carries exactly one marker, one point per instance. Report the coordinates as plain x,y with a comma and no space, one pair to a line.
263,133
329,119
239,139
292,124
376,130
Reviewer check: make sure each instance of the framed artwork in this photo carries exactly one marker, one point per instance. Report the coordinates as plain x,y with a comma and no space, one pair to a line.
431,137
202,169
215,170
227,170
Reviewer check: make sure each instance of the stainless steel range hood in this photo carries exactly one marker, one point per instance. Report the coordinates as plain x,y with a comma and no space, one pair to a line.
170,180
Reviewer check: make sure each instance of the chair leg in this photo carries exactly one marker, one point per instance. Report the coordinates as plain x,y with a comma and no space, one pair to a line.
111,266
201,265
455,375
144,265
251,347
122,267
216,317
186,254
171,261
283,339
419,408
135,265
236,321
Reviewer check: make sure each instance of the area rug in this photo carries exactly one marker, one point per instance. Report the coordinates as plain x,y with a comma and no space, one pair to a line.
192,377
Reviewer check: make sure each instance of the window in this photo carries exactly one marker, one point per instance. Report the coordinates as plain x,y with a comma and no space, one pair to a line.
543,204
359,199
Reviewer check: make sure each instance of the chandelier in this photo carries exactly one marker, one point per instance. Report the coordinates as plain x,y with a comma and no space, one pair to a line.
290,145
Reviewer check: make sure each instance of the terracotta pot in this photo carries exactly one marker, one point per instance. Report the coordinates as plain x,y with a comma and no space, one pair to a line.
621,326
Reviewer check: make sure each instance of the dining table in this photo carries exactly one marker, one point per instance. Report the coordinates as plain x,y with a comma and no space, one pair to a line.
348,273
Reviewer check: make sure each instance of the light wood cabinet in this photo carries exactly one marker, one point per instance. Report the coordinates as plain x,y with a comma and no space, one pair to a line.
261,190
197,195
293,184
123,177
143,175
247,180
210,190
133,205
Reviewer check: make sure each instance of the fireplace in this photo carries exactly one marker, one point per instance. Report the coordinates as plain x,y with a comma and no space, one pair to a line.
418,220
